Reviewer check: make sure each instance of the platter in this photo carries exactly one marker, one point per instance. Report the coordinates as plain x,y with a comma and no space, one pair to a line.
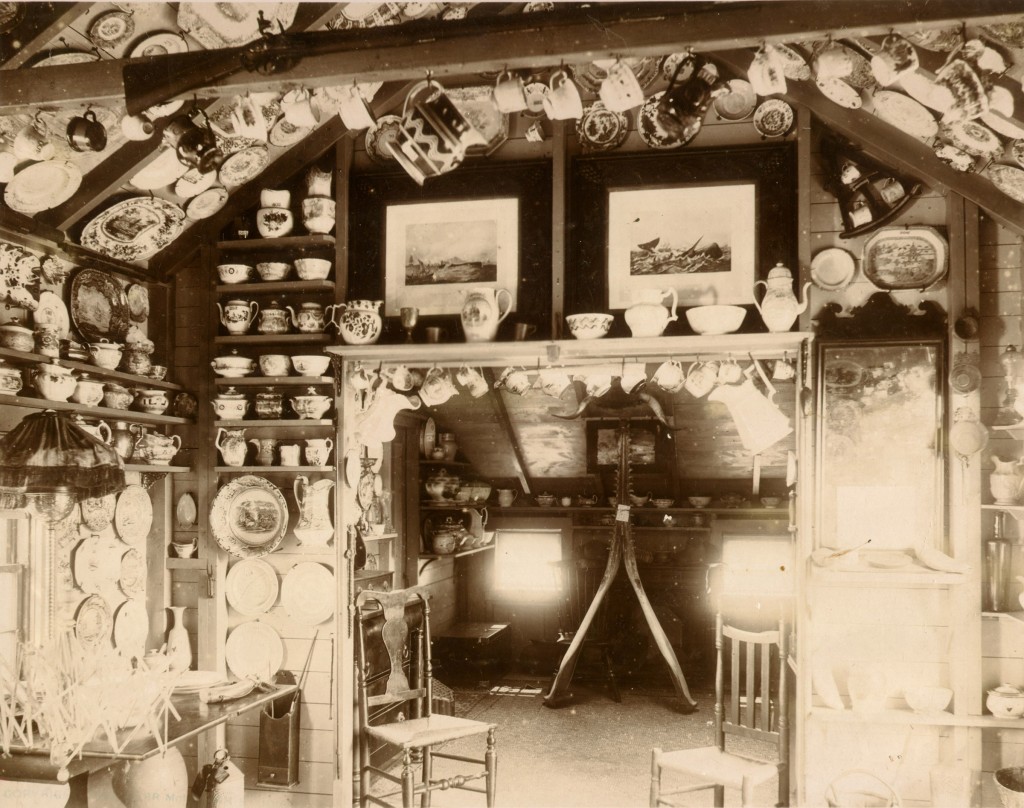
905,258
839,92
251,587
160,43
111,30
52,312
229,25
477,106
138,301
97,512
194,681
185,511
249,517
67,57
378,136
428,437
254,649
905,113
652,133
133,516
243,165
973,138
600,129
736,104
193,183
285,133
42,186
135,228
308,593
1008,179
206,203
131,628
93,622
773,118
832,269
132,578
164,170
99,308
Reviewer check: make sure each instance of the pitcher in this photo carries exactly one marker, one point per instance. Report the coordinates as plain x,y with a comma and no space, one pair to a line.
264,450
314,528
648,317
481,313
780,307
231,443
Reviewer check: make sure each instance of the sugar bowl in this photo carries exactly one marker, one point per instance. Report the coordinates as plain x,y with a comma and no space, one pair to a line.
311,405
230,404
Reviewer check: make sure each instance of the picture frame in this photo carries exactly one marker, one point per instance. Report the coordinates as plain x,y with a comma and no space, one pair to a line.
648,447
881,456
754,184
434,251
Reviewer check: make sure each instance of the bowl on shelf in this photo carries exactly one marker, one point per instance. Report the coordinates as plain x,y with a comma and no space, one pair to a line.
638,501
273,270
699,502
234,273
771,502
663,502
311,365
1005,701
589,326
715,319
312,269
924,699
233,365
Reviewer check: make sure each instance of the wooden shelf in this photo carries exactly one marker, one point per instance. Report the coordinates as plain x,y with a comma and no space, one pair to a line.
284,243
299,423
273,339
910,575
1015,431
460,554
148,469
908,717
272,381
185,564
272,469
85,367
94,412
273,287
380,537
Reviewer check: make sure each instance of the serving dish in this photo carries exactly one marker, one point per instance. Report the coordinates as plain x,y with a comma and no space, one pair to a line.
251,587
243,165
715,319
66,56
832,269
249,517
206,203
93,622
905,258
133,515
194,681
308,593
905,114
254,649
132,577
972,137
1008,179
840,92
99,307
131,628
134,228
41,186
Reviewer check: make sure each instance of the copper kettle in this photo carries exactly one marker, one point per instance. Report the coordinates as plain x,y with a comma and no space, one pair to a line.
195,146
681,109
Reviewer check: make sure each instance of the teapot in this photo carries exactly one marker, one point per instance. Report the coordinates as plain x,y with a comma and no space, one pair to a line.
100,430
446,537
358,321
231,443
273,319
310,319
237,315
780,307
54,382
156,449
648,317
681,110
193,145
481,313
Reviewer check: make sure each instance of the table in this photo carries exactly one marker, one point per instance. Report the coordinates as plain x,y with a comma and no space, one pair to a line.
90,776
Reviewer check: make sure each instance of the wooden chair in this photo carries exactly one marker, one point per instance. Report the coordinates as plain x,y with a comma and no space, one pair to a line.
417,731
753,712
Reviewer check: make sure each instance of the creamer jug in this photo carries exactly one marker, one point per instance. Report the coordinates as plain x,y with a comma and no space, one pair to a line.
649,316
481,313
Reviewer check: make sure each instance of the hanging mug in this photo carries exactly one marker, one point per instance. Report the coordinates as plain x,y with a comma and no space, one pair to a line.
437,387
670,376
32,143
620,89
633,377
514,380
509,92
701,378
472,380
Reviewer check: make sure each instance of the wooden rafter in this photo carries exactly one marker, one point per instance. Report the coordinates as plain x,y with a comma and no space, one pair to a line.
501,411
42,23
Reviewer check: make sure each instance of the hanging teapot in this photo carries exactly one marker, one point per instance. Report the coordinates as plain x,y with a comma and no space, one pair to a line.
481,313
681,109
648,317
780,307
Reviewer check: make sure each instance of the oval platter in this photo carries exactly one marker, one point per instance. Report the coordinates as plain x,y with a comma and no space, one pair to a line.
905,258
93,622
840,92
249,517
251,587
42,186
133,516
99,307
56,58
1008,179
243,165
308,593
134,229
905,113
972,137
254,649
97,512
132,578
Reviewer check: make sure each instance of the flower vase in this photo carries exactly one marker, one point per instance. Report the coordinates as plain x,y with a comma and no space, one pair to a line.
161,780
179,647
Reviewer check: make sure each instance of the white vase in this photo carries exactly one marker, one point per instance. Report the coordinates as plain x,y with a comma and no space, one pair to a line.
161,780
179,647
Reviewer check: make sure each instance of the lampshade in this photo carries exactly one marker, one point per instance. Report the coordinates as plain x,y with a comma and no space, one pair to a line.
46,452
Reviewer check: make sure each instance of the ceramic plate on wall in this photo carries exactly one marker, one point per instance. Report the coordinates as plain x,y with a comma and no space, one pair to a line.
251,587
193,183
131,628
99,307
93,622
135,228
138,302
228,25
249,517
973,138
132,579
839,92
112,30
161,172
309,594
600,129
243,165
773,118
833,269
905,258
160,43
1008,179
52,312
254,649
905,114
652,133
97,512
133,516
42,186
203,205
66,57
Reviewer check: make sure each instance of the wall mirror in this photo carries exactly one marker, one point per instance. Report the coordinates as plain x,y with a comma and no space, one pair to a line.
880,445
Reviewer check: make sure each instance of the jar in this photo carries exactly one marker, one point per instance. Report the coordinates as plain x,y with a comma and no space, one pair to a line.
106,354
154,402
10,379
273,319
116,396
269,405
448,443
88,391
137,357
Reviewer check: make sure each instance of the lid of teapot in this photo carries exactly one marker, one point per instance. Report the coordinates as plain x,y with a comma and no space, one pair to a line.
779,271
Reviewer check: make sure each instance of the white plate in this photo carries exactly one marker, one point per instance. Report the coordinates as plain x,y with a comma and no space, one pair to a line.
1008,179
228,25
93,622
134,229
52,312
194,681
428,437
905,114
160,44
833,269
249,517
285,133
839,92
309,594
353,468
111,30
243,165
164,170
738,103
42,186
773,118
133,516
251,587
131,628
205,204
254,649
132,577
192,183
97,564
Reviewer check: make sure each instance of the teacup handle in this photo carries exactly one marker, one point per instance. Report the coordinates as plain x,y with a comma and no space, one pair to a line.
329,444
508,308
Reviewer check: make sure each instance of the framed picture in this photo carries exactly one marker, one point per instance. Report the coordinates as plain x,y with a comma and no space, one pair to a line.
647,446
880,449
436,250
707,223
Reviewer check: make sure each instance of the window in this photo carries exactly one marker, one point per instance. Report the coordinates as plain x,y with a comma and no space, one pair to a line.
13,555
525,564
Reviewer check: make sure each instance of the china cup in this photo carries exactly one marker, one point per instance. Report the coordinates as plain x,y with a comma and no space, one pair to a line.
300,109
632,378
472,380
553,382
509,92
620,89
563,101
670,376
514,380
701,378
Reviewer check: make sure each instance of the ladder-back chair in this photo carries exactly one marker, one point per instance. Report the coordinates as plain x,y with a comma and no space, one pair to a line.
756,709
415,736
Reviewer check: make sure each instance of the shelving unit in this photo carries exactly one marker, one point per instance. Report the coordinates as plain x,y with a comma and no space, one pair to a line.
95,371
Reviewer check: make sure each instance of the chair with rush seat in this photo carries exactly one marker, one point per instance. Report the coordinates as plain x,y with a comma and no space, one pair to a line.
756,709
407,687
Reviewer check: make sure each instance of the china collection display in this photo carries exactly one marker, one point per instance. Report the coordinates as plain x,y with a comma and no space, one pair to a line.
249,517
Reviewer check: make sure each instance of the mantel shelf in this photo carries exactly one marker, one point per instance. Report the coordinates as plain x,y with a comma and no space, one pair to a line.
272,469
909,717
272,381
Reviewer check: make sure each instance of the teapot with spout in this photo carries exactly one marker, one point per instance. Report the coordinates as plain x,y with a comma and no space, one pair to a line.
156,449
647,317
310,318
780,306
482,313
237,315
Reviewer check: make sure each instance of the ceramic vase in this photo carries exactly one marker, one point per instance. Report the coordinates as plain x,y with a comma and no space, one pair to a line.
161,780
179,647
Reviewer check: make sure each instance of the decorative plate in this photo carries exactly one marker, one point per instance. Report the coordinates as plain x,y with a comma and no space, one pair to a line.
131,628
254,649
905,258
97,512
833,269
839,92
794,66
133,516
590,76
652,133
1016,152
52,312
370,15
164,170
428,437
905,114
66,57
228,25
97,563
99,308
773,118
251,587
285,133
111,30
160,43
354,468
477,106
138,301
194,681
135,228
955,158
738,103
93,622
41,186
939,40
378,136
926,91
192,183
600,129
185,511
998,122
1008,179
249,517
243,165
132,579
536,92
973,138
207,203
309,593
1009,33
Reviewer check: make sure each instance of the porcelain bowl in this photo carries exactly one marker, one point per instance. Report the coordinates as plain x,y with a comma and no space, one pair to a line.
663,502
275,364
17,337
273,270
715,319
589,326
923,699
638,501
234,273
699,502
312,269
1006,701
233,366
311,365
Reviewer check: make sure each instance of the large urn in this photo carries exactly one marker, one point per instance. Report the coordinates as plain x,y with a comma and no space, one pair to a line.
482,313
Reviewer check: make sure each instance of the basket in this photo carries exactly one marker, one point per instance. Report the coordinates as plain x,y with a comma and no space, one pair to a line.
1010,783
859,788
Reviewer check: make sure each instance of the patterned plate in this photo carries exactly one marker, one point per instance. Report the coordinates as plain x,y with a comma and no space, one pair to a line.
134,229
132,579
193,183
52,312
285,133
97,564
131,628
973,138
160,43
111,30
97,512
228,25
251,587
133,516
652,133
378,136
773,118
905,258
308,593
839,92
243,165
1016,152
41,186
738,103
536,92
794,66
249,517
254,649
600,129
905,114
1008,179
99,308
207,203
138,302
66,57
940,40
93,622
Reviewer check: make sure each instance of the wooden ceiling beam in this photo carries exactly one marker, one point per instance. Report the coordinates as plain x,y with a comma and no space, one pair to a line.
893,147
43,22
475,45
